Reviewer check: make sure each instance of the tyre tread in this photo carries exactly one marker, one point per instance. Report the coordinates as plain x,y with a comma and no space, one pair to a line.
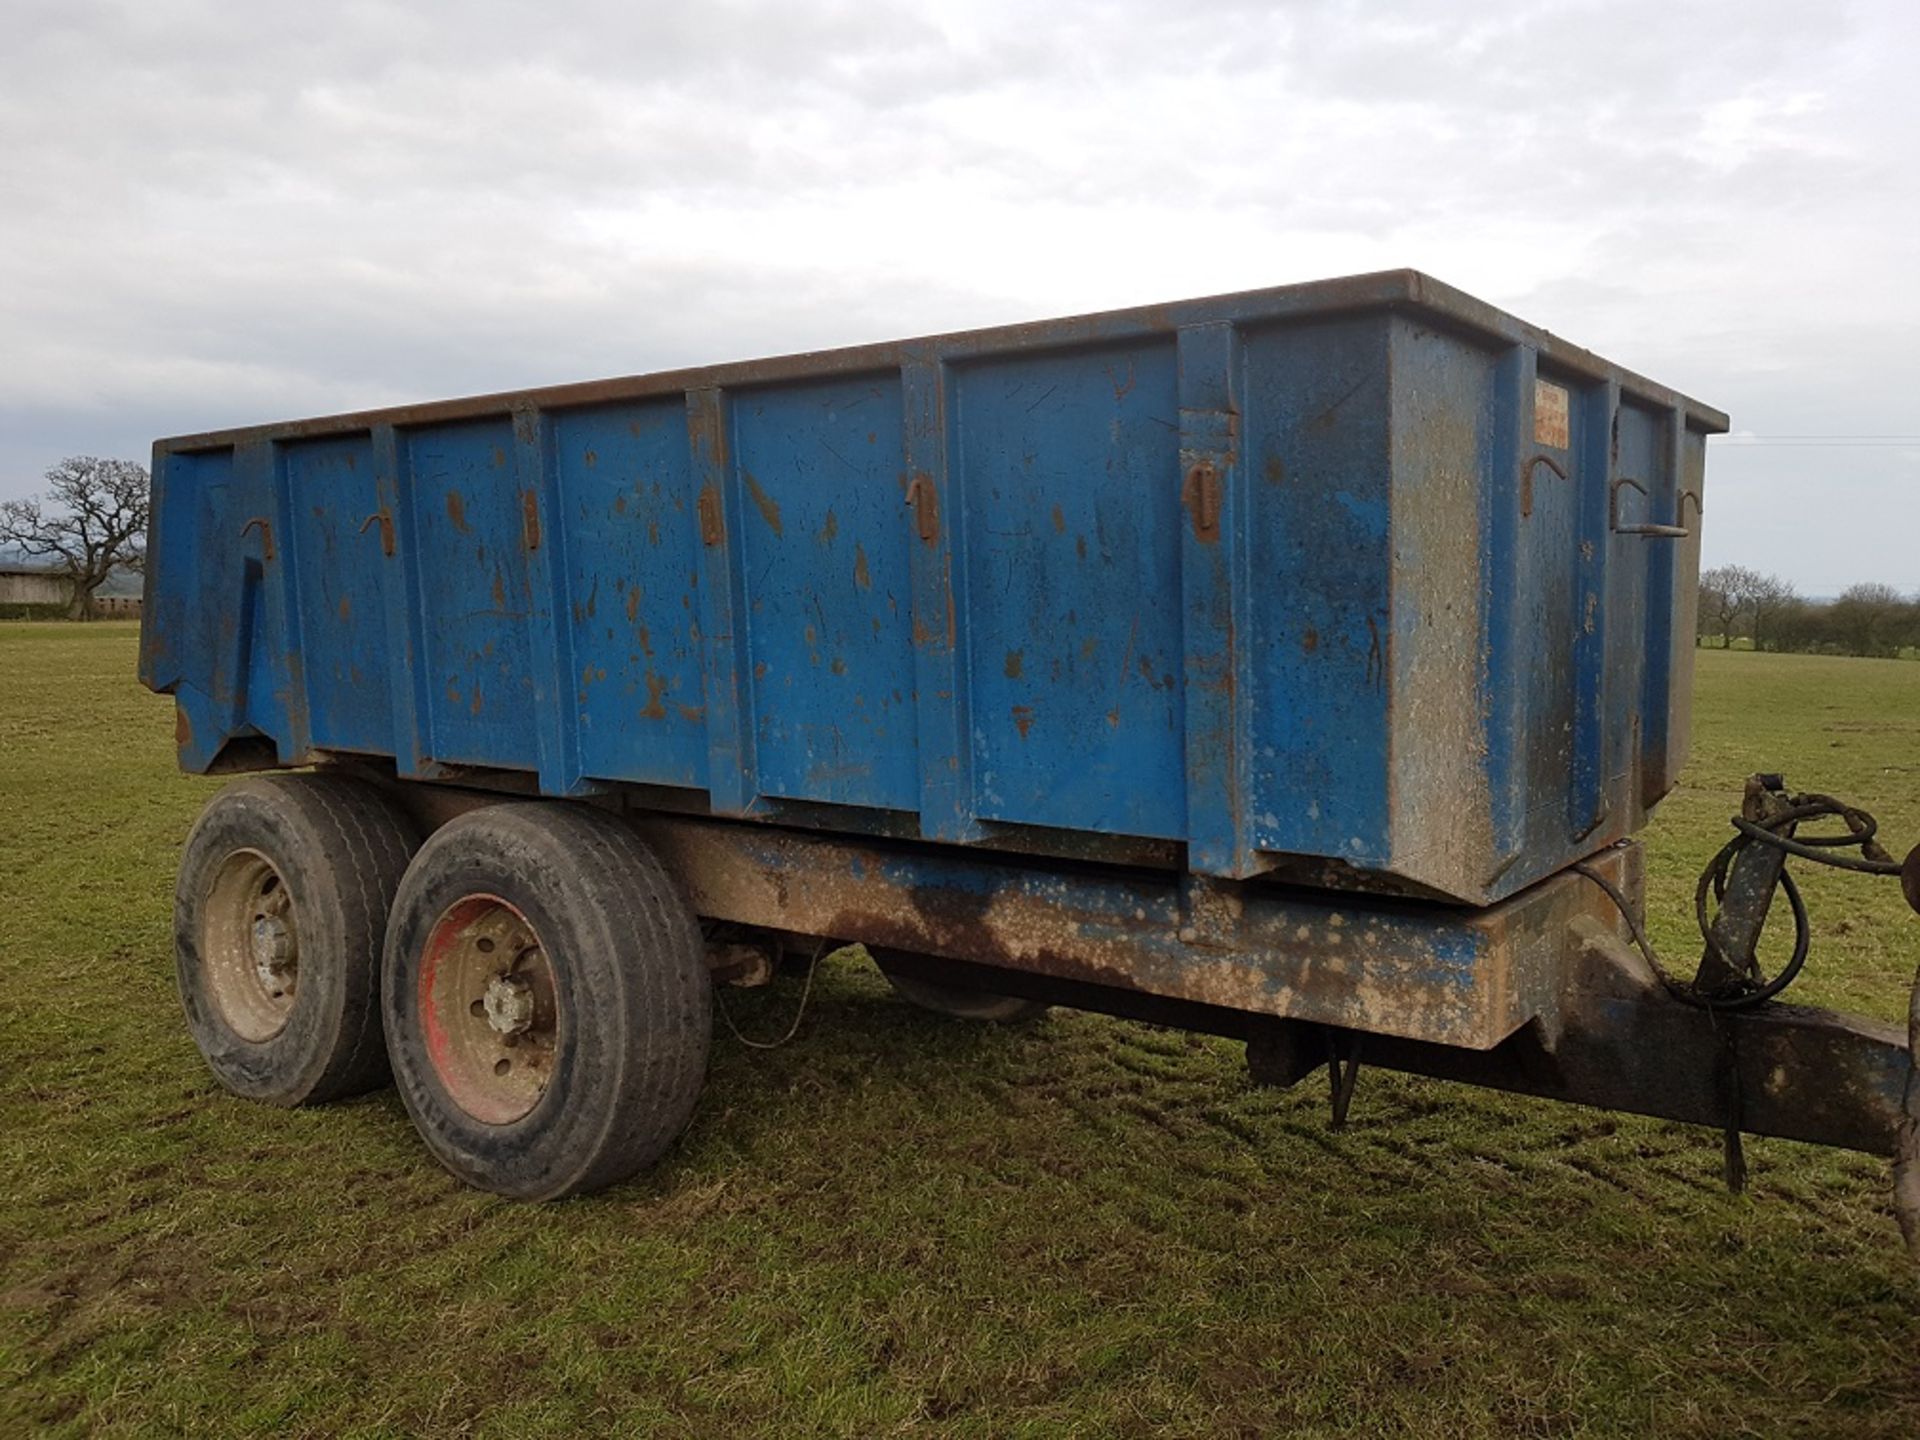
354,843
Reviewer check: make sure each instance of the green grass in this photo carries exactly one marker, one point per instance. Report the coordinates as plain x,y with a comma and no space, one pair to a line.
902,1225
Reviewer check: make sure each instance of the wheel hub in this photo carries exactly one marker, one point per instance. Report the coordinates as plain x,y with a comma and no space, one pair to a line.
508,1004
273,956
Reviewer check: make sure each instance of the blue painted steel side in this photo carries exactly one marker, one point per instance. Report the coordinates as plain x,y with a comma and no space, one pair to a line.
1329,580
1067,474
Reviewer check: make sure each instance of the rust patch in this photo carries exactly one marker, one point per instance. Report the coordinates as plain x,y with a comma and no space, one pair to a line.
1310,641
182,728
477,702
592,459
646,642
1059,521
655,708
1275,470
862,577
692,714
346,607
839,666
1023,719
828,529
768,507
633,604
457,512
1013,665
499,591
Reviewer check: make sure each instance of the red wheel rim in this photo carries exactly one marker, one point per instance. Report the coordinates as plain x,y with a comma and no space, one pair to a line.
489,1009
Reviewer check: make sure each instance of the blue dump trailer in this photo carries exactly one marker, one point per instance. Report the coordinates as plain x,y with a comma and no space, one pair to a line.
1294,665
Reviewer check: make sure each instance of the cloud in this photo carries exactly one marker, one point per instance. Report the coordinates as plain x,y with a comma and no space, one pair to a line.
219,213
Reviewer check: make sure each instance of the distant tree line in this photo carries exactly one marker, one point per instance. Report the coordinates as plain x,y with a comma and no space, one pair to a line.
1866,619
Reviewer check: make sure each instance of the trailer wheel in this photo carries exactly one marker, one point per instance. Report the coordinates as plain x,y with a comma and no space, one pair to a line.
954,1000
279,912
548,1007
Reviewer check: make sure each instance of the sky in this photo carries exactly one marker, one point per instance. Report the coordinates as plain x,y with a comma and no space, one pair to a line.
216,214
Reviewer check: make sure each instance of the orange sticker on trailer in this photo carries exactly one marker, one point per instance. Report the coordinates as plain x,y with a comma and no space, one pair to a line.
1550,423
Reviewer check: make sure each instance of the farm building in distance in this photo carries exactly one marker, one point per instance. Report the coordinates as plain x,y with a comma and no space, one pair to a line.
26,585
36,585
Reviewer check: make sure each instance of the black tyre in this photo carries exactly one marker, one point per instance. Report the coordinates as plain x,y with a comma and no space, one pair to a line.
279,916
953,1000
548,1007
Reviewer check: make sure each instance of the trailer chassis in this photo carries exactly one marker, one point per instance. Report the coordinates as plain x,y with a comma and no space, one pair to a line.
1554,993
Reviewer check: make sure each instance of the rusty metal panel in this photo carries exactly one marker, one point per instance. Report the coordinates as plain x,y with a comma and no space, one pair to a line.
1439,973
1363,582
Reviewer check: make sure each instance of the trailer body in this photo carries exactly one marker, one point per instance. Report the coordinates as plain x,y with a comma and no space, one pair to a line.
1359,584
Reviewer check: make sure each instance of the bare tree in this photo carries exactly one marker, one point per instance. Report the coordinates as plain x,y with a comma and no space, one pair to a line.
1766,598
92,520
1726,592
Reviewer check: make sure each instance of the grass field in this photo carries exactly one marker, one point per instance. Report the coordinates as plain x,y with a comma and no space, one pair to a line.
897,1224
